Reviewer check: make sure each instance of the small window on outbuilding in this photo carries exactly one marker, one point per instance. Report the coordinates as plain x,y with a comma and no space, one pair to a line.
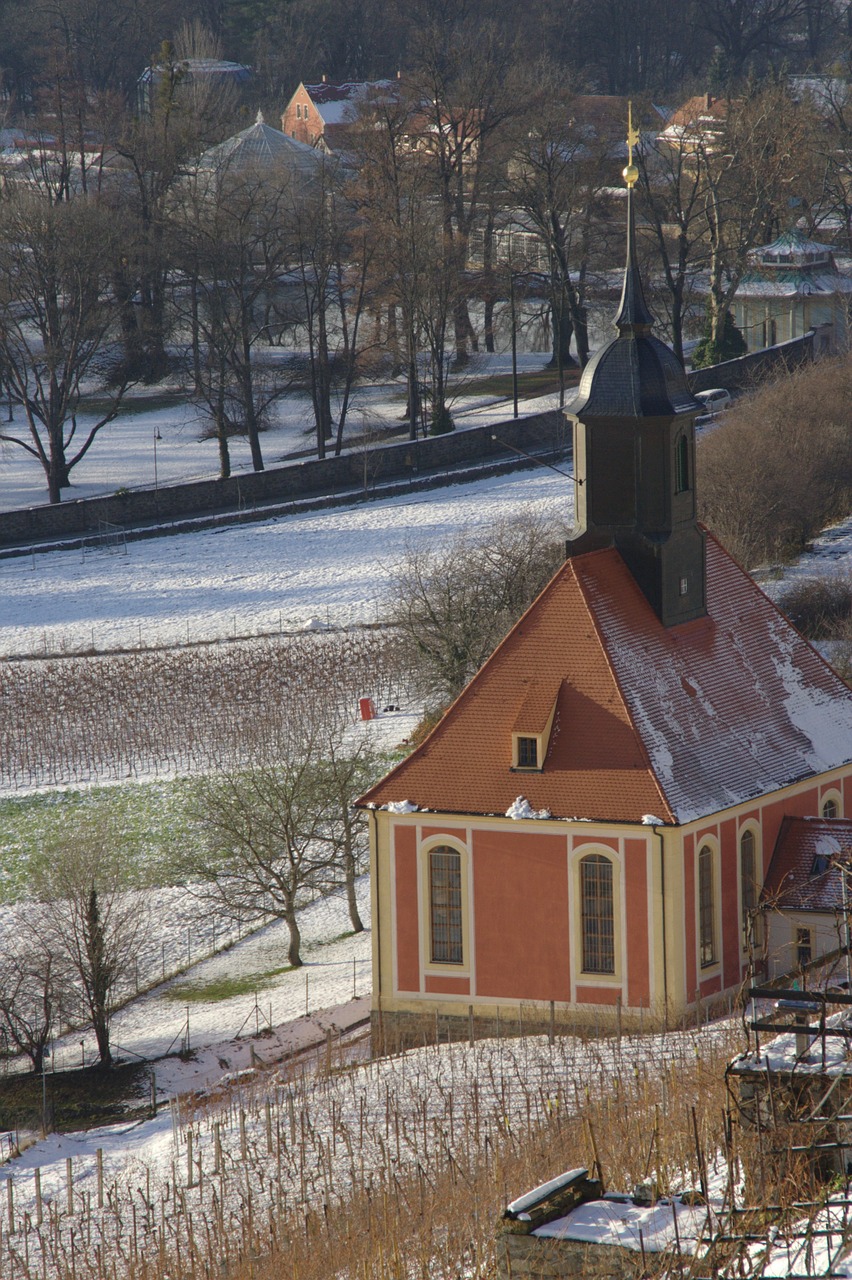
804,948
829,808
527,753
298,111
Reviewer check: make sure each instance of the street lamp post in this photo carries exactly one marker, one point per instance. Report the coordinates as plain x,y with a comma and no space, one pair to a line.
157,437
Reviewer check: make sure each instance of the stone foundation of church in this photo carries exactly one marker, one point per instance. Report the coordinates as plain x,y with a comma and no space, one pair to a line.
395,1030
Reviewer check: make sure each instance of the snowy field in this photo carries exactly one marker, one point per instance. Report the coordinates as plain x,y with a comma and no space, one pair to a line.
329,566
158,438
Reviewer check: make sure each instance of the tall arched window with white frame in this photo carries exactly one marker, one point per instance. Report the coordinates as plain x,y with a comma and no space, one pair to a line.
706,909
445,906
748,887
596,897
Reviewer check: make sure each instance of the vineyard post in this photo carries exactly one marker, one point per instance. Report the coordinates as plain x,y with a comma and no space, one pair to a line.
69,1177
99,1154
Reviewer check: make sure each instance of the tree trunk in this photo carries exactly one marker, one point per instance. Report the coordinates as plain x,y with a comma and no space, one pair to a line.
563,332
351,896
488,282
250,416
222,430
293,950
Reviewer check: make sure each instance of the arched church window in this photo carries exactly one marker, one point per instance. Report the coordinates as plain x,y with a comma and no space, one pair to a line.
445,905
748,884
681,464
706,908
829,808
598,916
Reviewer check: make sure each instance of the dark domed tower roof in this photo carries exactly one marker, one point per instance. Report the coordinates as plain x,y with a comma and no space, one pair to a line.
635,374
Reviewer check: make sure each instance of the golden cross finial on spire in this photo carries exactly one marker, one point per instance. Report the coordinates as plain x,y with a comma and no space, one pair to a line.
631,173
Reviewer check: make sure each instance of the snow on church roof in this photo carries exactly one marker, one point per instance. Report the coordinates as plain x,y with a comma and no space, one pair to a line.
681,721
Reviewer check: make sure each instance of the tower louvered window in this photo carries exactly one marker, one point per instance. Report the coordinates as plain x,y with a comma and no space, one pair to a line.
681,465
598,916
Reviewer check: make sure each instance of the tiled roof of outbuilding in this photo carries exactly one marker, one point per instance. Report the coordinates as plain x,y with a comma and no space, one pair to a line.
804,873
676,722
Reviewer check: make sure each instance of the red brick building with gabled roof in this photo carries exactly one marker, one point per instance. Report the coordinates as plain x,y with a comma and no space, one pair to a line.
591,821
323,115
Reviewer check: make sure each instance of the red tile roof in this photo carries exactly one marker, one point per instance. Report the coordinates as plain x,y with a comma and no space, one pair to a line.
804,873
676,723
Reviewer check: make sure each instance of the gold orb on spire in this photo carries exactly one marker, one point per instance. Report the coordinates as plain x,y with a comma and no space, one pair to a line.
630,173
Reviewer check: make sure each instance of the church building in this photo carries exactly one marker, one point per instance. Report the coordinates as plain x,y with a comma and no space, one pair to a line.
592,820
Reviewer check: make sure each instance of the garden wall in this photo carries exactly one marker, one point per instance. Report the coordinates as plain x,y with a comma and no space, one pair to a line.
743,372
361,469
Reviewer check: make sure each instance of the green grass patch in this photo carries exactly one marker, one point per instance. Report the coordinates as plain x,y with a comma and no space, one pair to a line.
146,824
225,988
77,1099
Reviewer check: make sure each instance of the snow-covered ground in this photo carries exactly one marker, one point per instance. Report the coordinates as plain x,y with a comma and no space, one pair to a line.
332,566
166,443
178,927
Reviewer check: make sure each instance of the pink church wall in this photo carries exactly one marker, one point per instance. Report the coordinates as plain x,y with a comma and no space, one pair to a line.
636,890
407,929
520,884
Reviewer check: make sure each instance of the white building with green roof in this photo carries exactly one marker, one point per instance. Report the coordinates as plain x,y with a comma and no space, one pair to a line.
793,285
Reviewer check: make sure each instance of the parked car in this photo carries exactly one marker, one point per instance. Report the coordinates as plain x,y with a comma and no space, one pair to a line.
716,400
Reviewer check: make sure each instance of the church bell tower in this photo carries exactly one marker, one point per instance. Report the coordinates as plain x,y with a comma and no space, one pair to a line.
634,451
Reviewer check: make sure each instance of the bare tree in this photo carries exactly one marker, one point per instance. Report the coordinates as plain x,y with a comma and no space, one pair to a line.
184,116
745,28
454,604
267,846
91,926
232,222
57,321
671,188
283,829
749,176
462,71
332,257
343,773
27,991
561,162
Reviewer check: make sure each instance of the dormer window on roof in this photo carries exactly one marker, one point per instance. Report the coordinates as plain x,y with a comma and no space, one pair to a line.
533,726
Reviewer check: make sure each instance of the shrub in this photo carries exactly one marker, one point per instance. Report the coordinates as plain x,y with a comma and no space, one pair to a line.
818,606
454,604
730,346
779,468
441,422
